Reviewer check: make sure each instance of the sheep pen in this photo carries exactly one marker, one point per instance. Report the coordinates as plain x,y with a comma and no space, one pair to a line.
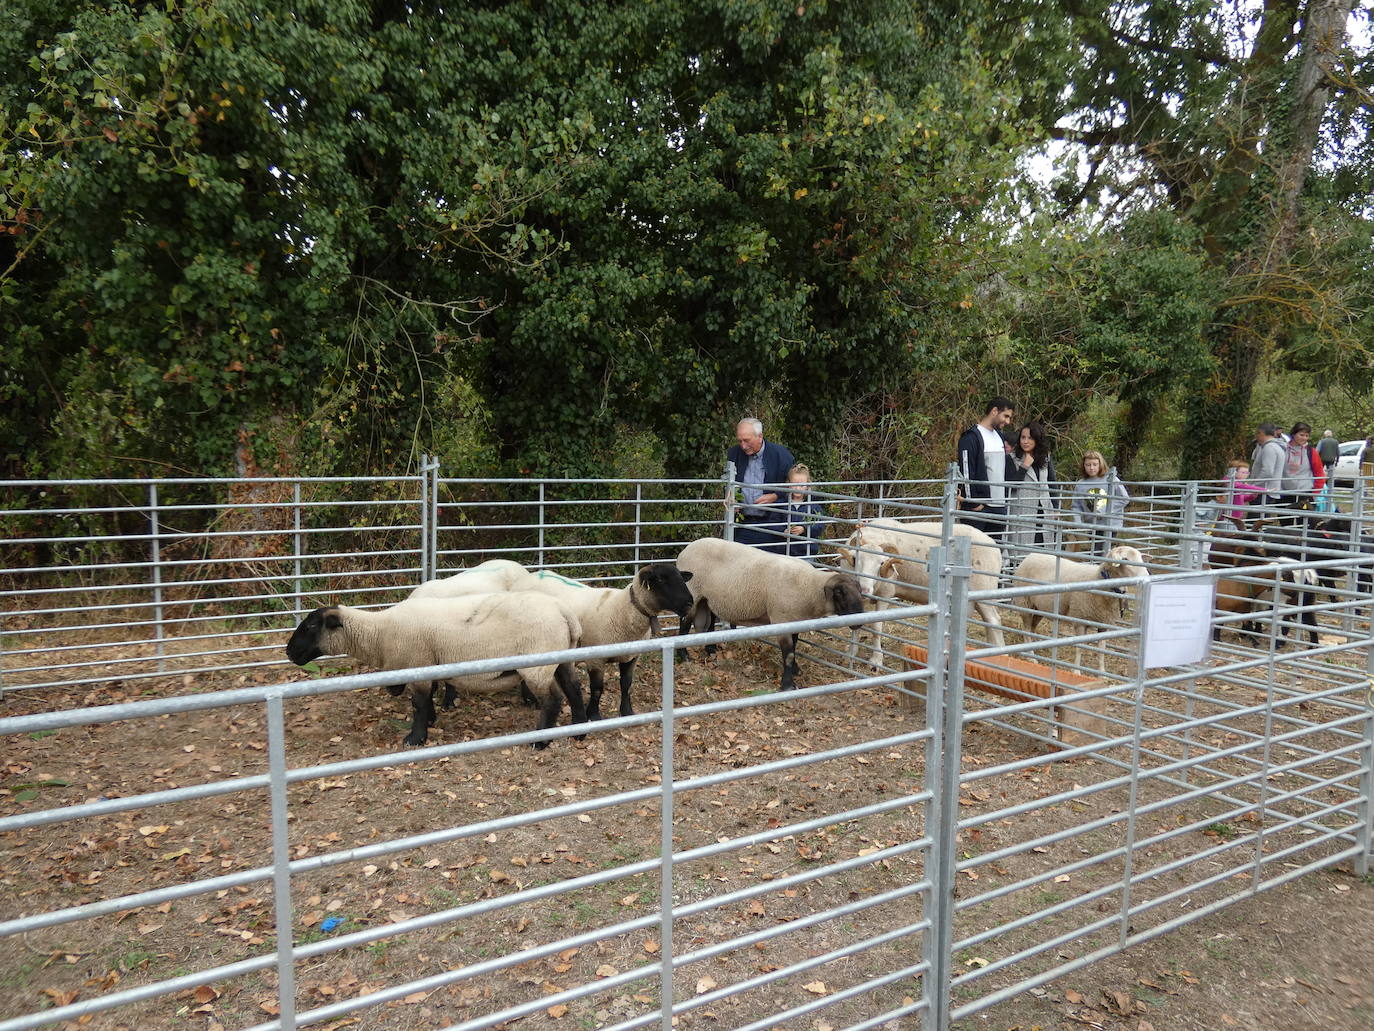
126,853
434,862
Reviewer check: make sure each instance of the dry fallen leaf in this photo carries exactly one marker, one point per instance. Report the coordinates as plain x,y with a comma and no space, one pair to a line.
817,988
557,1011
651,946
206,994
705,984
1072,997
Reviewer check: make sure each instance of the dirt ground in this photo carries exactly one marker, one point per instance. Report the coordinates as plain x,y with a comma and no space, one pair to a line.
1298,956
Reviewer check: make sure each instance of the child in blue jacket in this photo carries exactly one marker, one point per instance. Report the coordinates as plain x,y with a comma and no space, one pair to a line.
803,519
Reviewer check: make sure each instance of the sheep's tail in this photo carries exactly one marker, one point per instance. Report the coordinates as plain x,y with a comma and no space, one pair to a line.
574,626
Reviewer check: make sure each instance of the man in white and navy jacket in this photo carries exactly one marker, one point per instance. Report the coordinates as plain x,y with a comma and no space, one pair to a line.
984,456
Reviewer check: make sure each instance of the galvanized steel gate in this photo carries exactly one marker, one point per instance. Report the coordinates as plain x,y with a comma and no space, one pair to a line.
1203,786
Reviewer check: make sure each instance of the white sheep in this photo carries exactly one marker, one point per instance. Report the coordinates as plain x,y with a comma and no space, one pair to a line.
436,631
1094,607
751,587
611,615
894,557
494,576
490,577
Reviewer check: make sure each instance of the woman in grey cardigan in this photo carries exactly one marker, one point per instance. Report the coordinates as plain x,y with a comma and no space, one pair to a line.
1030,509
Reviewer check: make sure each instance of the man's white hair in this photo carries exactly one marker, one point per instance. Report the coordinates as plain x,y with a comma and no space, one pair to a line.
755,426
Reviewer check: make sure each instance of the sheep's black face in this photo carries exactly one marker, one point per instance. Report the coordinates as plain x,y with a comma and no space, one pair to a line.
845,595
667,587
304,645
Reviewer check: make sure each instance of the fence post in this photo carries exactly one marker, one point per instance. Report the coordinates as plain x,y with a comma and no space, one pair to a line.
1190,557
1356,529
433,543
299,539
639,518
540,563
730,506
665,847
157,576
281,863
1364,835
951,568
424,519
949,501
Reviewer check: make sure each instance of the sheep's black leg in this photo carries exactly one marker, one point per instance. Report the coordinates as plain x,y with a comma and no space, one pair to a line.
691,623
627,679
527,696
1309,618
596,684
788,645
395,690
565,675
422,701
704,621
450,696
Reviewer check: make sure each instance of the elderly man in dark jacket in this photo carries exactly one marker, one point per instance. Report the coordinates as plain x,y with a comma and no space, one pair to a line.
756,463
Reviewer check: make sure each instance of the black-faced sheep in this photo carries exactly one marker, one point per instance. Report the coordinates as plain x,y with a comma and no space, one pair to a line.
1093,607
436,631
750,587
892,559
611,615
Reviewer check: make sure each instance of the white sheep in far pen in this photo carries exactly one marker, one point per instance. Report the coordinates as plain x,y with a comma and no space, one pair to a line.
1090,605
438,631
891,558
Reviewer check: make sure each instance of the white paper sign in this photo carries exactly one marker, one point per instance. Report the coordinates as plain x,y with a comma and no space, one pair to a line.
1176,622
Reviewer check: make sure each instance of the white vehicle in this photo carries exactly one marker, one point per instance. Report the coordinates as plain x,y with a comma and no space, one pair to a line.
1348,464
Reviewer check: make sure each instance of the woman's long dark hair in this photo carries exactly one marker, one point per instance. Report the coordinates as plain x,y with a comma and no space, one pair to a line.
1041,453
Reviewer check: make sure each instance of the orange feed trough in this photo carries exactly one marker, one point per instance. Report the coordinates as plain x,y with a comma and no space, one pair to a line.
1022,680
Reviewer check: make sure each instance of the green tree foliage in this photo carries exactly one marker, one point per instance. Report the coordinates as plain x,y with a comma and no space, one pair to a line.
1115,310
1227,115
322,230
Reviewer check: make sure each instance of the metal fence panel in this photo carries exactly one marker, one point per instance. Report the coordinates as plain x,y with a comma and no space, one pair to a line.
1002,837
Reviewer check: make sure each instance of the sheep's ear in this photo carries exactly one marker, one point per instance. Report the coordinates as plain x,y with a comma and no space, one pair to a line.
686,575
891,549
888,569
332,621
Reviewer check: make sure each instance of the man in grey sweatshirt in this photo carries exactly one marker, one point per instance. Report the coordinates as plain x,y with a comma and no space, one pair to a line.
1266,464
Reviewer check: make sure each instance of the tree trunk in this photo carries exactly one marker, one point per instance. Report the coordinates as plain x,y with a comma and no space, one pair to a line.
1216,426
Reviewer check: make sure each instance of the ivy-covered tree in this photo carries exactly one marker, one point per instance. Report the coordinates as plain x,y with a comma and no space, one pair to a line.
1224,114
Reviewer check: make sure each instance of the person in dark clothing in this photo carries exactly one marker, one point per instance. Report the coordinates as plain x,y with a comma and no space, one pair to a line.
805,519
757,522
984,459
